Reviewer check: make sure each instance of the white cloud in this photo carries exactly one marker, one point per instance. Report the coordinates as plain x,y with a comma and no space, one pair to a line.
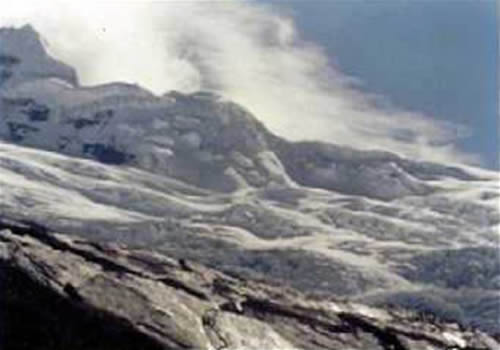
249,52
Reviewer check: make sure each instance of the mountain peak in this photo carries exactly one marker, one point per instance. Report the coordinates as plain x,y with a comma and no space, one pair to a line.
24,57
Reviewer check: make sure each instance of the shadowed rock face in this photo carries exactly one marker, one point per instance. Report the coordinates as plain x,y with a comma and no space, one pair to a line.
60,293
34,316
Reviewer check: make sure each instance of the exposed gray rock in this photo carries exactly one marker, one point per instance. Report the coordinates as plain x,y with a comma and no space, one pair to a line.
143,298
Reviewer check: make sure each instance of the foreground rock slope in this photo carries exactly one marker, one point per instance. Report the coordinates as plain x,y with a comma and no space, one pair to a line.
61,292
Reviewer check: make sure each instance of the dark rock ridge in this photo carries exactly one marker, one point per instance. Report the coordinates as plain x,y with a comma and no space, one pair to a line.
66,293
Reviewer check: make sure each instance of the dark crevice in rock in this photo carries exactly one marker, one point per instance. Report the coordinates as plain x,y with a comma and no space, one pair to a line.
71,291
172,282
106,153
209,322
388,340
168,341
18,131
9,60
260,308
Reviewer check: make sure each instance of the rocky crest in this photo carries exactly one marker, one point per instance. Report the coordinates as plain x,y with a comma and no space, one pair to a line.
62,293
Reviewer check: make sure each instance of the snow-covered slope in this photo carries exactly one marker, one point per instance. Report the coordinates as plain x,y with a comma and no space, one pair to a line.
23,57
199,177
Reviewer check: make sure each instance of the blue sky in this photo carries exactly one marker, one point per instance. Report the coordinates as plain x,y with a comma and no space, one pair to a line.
436,57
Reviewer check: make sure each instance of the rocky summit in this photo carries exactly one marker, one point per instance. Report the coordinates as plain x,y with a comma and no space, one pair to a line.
148,189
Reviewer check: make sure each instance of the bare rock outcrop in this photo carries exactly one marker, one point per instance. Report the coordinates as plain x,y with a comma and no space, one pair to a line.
62,292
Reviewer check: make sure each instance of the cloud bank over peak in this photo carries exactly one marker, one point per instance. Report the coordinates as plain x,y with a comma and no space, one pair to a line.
248,52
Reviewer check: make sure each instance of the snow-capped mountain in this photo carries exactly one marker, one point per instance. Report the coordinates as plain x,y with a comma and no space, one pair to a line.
199,177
